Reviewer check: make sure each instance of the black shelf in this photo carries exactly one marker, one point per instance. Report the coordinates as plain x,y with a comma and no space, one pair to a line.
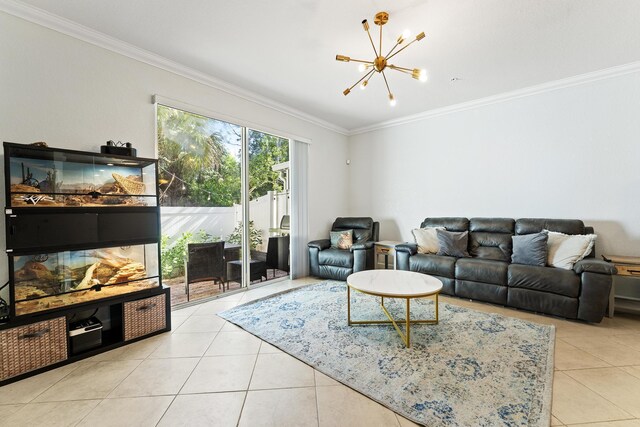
74,243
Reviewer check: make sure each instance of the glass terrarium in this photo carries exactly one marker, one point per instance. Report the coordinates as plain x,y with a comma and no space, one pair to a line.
53,280
45,177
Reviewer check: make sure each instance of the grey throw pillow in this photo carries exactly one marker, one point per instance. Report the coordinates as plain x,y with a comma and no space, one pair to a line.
453,243
530,249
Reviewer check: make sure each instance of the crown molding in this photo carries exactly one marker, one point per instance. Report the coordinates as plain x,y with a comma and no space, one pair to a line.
580,79
80,32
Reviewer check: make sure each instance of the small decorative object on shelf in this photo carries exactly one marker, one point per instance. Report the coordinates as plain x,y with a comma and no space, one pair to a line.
83,241
119,148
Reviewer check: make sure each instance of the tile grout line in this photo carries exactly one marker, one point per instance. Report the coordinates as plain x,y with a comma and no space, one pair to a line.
246,394
315,392
600,395
187,379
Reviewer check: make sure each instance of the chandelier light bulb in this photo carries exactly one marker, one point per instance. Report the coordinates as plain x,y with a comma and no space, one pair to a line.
423,75
406,34
362,68
392,100
363,85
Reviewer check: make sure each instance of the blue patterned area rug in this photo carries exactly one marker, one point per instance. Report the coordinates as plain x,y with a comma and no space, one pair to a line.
472,369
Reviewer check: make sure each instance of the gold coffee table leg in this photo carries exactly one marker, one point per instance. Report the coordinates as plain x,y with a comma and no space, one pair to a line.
348,306
406,337
408,322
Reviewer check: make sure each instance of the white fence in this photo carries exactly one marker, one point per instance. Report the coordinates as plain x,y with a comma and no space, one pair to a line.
220,222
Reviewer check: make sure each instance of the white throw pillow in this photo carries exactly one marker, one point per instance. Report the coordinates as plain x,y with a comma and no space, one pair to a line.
564,250
427,239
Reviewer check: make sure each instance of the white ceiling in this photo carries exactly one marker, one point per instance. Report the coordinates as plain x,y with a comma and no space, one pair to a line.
285,49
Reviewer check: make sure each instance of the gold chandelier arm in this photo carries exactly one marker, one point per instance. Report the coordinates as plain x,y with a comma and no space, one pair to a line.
346,92
365,24
386,83
418,38
380,39
369,78
405,70
392,49
361,61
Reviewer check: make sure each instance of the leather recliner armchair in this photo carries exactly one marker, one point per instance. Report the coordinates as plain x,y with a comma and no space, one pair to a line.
332,263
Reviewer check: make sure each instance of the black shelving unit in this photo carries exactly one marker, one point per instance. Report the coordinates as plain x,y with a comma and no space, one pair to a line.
83,242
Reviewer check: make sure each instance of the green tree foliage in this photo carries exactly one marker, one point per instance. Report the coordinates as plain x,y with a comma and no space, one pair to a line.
187,155
198,169
265,151
255,236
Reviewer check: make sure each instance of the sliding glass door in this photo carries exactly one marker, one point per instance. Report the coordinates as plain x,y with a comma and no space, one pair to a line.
269,204
214,175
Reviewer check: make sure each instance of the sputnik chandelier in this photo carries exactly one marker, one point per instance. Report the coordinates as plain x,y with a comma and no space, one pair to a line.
380,63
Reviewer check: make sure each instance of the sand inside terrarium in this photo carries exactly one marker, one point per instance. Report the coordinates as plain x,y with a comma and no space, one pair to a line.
62,300
119,192
54,280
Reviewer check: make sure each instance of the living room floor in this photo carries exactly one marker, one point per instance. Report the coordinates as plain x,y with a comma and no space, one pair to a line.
182,378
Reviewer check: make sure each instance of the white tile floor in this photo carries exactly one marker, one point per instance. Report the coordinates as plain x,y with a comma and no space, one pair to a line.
208,372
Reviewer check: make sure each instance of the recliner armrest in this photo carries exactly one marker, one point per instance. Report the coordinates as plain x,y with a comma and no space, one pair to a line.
410,248
320,244
363,245
594,266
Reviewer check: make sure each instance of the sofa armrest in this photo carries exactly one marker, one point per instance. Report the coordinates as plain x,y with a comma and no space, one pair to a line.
594,266
320,244
410,248
361,246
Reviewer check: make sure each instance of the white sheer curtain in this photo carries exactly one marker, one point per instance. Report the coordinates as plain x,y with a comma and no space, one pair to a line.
299,206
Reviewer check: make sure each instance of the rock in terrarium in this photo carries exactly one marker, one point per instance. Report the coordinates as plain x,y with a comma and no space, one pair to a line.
53,280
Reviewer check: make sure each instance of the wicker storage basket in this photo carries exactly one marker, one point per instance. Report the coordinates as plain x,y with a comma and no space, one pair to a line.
144,316
34,346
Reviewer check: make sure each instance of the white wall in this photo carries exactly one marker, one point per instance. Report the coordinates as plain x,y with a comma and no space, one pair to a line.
568,153
72,94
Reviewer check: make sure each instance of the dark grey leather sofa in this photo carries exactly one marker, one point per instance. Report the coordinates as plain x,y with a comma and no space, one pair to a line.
331,263
488,275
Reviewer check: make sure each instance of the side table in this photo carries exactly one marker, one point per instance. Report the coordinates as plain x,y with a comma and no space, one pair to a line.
625,289
258,270
386,248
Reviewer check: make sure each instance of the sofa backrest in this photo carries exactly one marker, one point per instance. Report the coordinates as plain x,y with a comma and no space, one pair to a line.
536,225
490,238
450,223
566,226
362,227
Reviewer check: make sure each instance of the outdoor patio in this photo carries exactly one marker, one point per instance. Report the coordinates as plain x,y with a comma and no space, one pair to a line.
208,289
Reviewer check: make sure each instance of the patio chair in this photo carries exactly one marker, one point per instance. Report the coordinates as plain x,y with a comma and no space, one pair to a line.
278,253
205,261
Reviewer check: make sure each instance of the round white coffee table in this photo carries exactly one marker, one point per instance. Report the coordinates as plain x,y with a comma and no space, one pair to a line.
394,284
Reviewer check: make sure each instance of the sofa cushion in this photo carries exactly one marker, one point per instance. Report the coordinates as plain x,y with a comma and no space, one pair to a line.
453,243
490,238
565,250
536,225
435,265
530,249
545,279
336,257
427,239
482,270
